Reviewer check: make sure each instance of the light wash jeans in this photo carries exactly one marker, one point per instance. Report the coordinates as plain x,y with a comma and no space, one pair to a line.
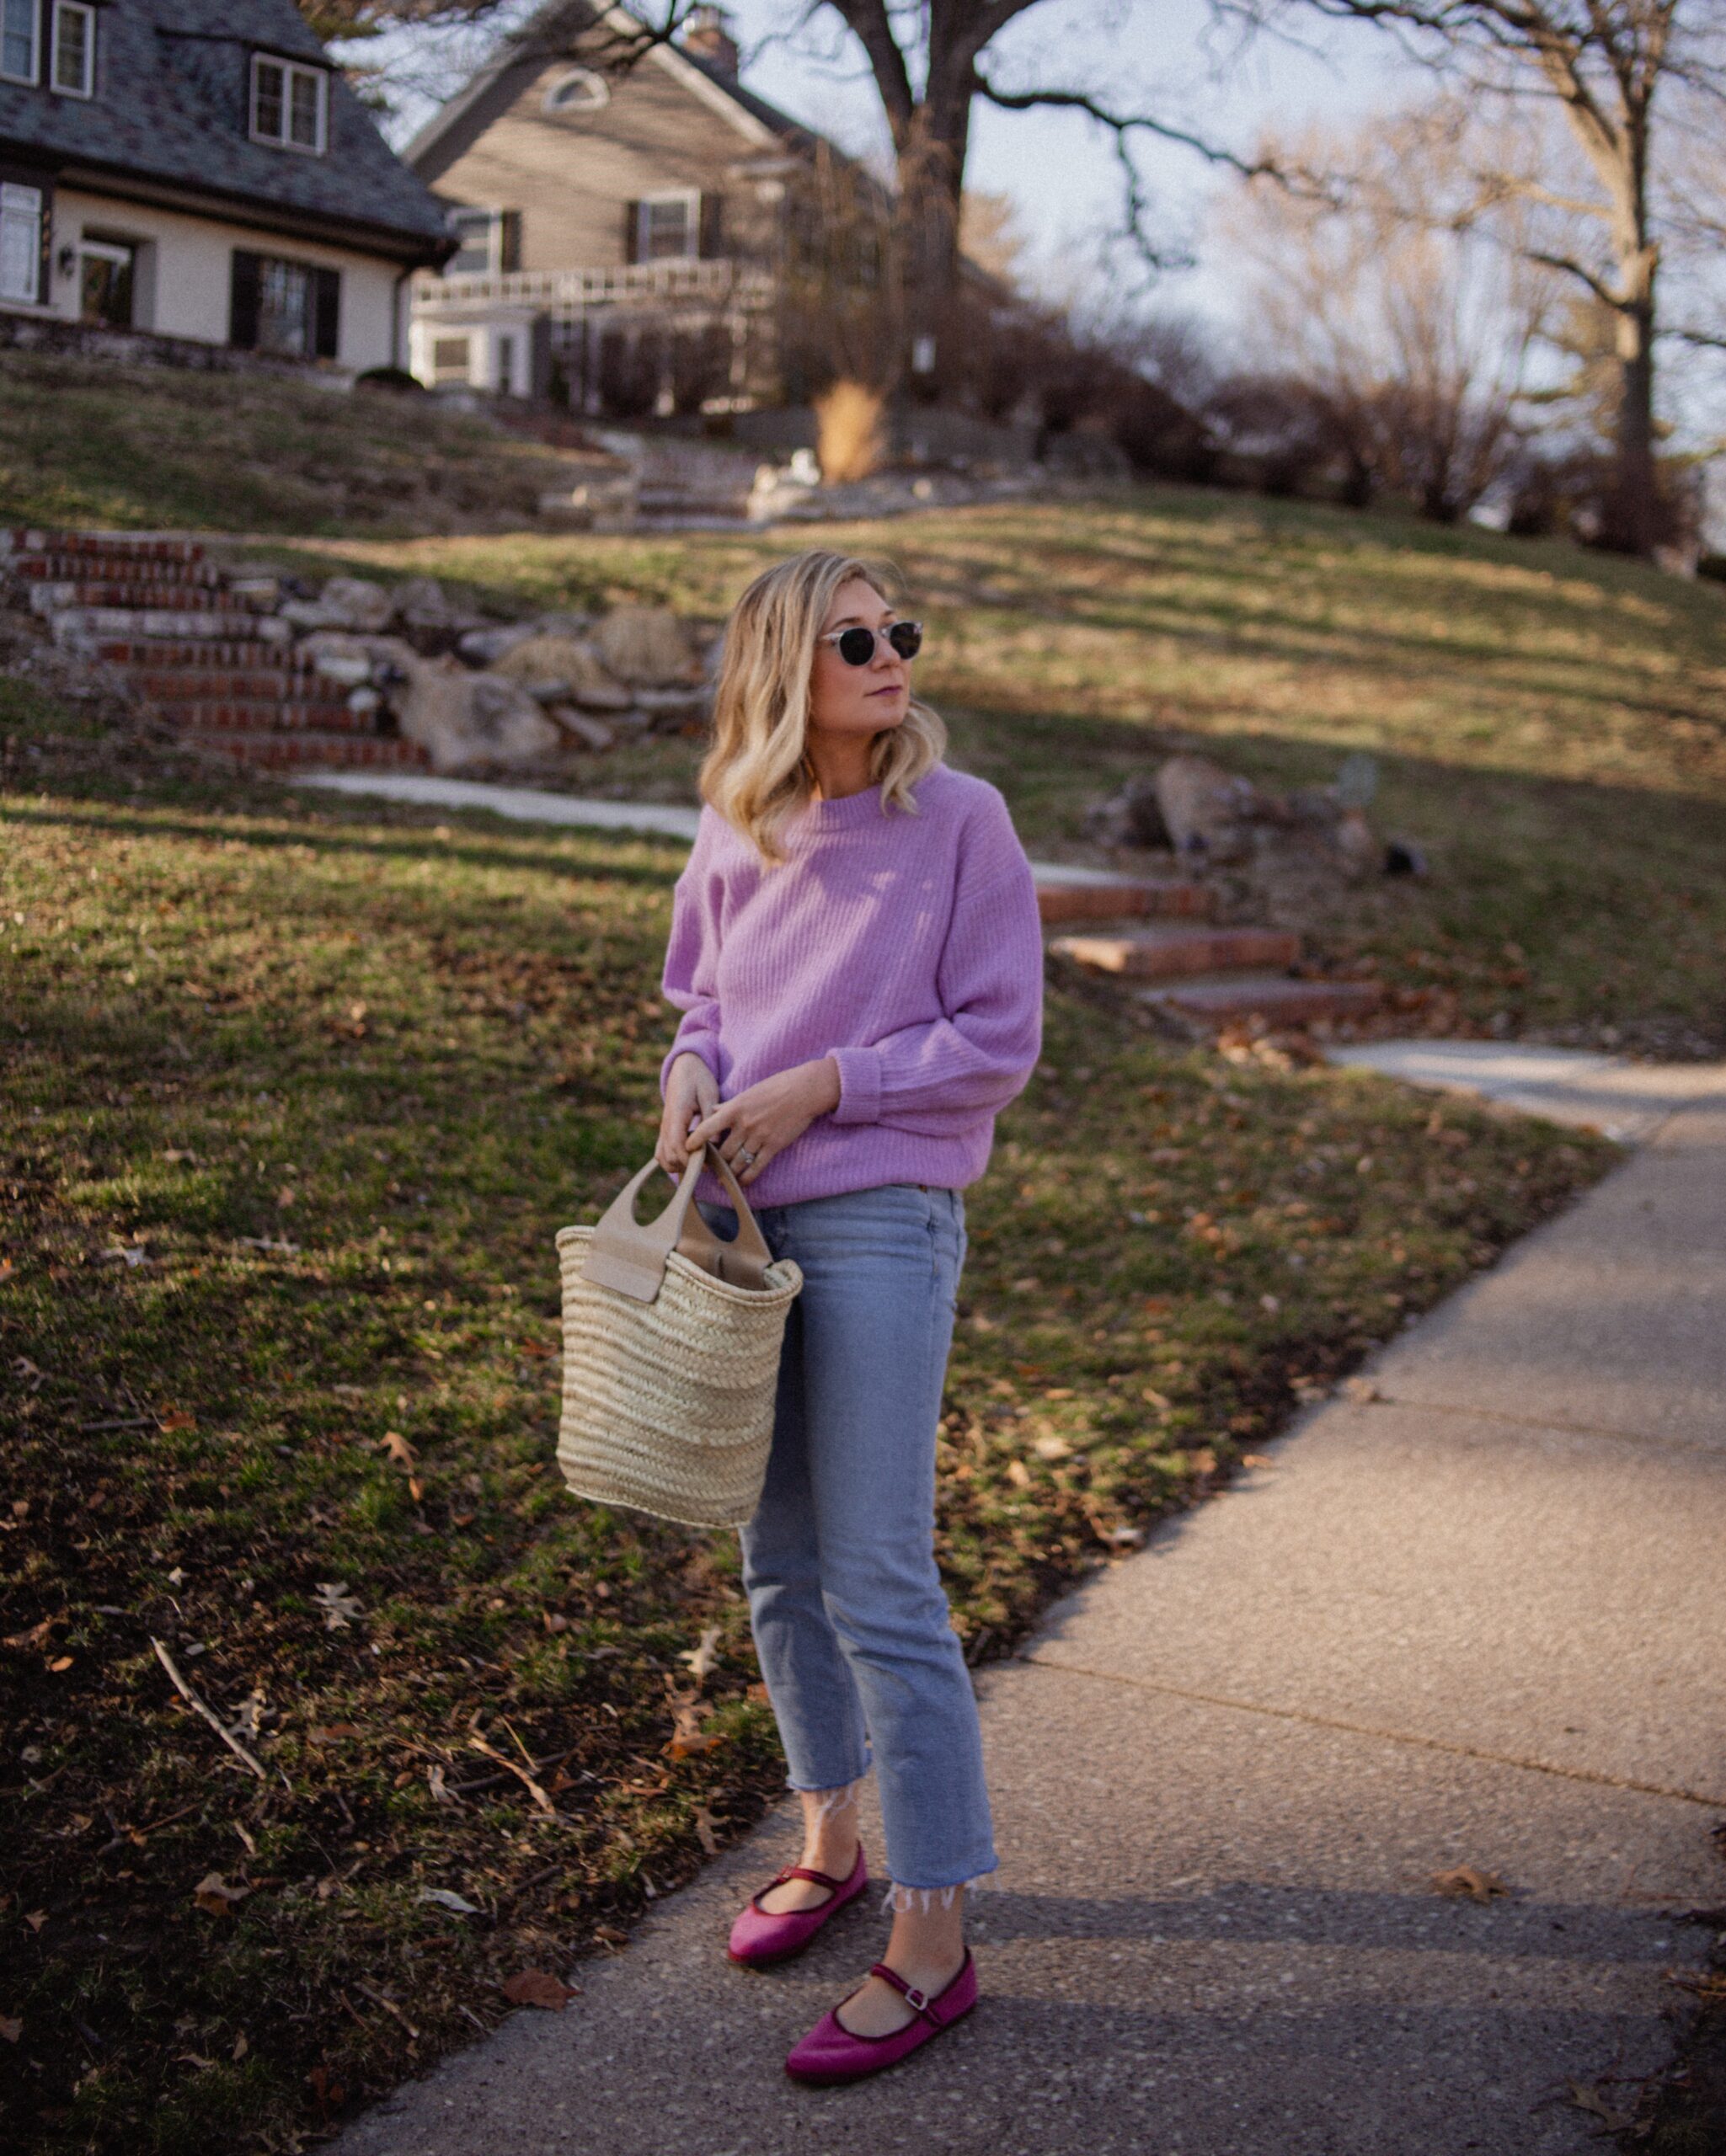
850,1621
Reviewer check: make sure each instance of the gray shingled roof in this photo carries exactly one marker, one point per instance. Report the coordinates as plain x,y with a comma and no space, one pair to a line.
548,34
171,85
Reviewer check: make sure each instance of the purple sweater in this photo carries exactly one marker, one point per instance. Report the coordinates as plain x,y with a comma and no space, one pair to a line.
907,947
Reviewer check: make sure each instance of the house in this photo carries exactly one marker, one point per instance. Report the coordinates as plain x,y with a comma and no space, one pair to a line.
200,170
653,238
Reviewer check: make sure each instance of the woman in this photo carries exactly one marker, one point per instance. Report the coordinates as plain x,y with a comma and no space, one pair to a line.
856,952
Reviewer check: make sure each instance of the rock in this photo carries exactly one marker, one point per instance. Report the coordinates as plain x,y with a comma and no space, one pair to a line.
590,733
346,602
421,603
461,719
606,502
1133,817
262,594
565,659
613,699
362,702
1208,813
347,673
644,645
485,646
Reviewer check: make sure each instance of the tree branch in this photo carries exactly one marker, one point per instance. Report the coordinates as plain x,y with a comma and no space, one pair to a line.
1123,124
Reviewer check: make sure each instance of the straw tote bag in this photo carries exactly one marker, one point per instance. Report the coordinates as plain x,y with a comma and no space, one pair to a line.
672,1341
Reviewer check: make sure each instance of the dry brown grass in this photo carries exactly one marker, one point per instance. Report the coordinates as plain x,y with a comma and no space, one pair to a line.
850,438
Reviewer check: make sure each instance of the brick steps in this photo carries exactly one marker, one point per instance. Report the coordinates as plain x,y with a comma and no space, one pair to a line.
228,681
1280,999
1165,953
291,715
272,751
195,683
130,594
128,568
1096,898
164,655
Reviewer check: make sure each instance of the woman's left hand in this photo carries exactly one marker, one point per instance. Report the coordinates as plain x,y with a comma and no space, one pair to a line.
765,1118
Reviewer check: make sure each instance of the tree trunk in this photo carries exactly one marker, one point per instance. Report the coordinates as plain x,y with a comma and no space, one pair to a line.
1633,520
930,155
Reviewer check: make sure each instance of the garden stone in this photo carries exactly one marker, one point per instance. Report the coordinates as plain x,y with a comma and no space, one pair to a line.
590,733
1133,817
461,719
485,646
346,602
1209,812
645,646
563,660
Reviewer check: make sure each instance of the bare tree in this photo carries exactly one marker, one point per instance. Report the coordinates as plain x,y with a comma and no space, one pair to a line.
1607,68
1405,324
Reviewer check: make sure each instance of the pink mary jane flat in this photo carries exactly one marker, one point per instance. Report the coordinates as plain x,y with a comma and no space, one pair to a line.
758,1936
830,2053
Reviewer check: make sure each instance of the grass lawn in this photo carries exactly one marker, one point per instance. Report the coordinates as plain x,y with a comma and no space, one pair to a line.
1550,724
293,1098
85,442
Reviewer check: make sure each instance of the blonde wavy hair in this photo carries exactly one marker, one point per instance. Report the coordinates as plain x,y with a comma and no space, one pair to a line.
755,774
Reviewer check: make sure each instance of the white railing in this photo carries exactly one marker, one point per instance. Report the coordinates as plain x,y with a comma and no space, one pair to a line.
572,292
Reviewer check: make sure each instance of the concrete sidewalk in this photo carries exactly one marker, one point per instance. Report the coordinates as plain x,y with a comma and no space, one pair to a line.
1478,1620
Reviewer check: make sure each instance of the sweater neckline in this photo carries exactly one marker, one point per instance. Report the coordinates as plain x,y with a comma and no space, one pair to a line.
844,815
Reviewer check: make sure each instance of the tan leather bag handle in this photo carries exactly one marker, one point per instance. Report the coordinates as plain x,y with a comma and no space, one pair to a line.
626,1255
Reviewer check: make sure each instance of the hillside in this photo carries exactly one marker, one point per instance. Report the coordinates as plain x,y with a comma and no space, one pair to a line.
86,443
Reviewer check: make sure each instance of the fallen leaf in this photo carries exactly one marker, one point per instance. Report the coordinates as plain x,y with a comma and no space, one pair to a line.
702,1657
11,2027
539,1987
608,1934
537,1348
397,1446
1589,2099
687,1737
446,1898
60,1662
1018,1474
240,2046
554,1621
36,1919
704,1830
332,1732
286,1195
338,1606
216,1898
175,1421
1359,1389
1468,1879
37,1635
1158,1400
1050,1447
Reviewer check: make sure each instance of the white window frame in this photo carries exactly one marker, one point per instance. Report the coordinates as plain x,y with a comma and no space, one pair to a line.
60,9
441,372
38,218
291,71
32,9
690,197
578,89
471,213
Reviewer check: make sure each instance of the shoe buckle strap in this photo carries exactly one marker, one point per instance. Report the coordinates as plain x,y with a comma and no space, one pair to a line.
918,2000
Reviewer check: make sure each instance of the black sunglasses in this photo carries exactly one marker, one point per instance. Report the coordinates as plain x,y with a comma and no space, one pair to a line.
856,645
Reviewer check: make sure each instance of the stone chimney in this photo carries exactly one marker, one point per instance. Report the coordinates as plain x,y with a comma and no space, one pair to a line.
707,33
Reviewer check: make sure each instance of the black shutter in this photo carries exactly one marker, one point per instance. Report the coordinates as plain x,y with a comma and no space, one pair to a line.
509,240
326,313
242,300
45,248
632,232
711,244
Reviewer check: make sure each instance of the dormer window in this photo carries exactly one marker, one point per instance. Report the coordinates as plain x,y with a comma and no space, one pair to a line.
19,61
580,90
72,62
290,104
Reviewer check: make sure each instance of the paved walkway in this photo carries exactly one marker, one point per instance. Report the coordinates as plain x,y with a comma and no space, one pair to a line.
1477,1620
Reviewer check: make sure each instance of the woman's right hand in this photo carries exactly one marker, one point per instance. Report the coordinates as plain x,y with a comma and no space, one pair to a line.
692,1092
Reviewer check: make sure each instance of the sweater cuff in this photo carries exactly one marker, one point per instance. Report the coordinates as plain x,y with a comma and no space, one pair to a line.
701,1047
859,1085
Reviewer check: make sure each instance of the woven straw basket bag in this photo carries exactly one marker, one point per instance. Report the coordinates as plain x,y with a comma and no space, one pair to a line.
672,1341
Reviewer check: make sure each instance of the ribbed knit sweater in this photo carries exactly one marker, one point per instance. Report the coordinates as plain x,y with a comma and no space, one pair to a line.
906,946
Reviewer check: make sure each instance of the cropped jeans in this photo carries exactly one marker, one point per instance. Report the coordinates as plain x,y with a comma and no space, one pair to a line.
850,1621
